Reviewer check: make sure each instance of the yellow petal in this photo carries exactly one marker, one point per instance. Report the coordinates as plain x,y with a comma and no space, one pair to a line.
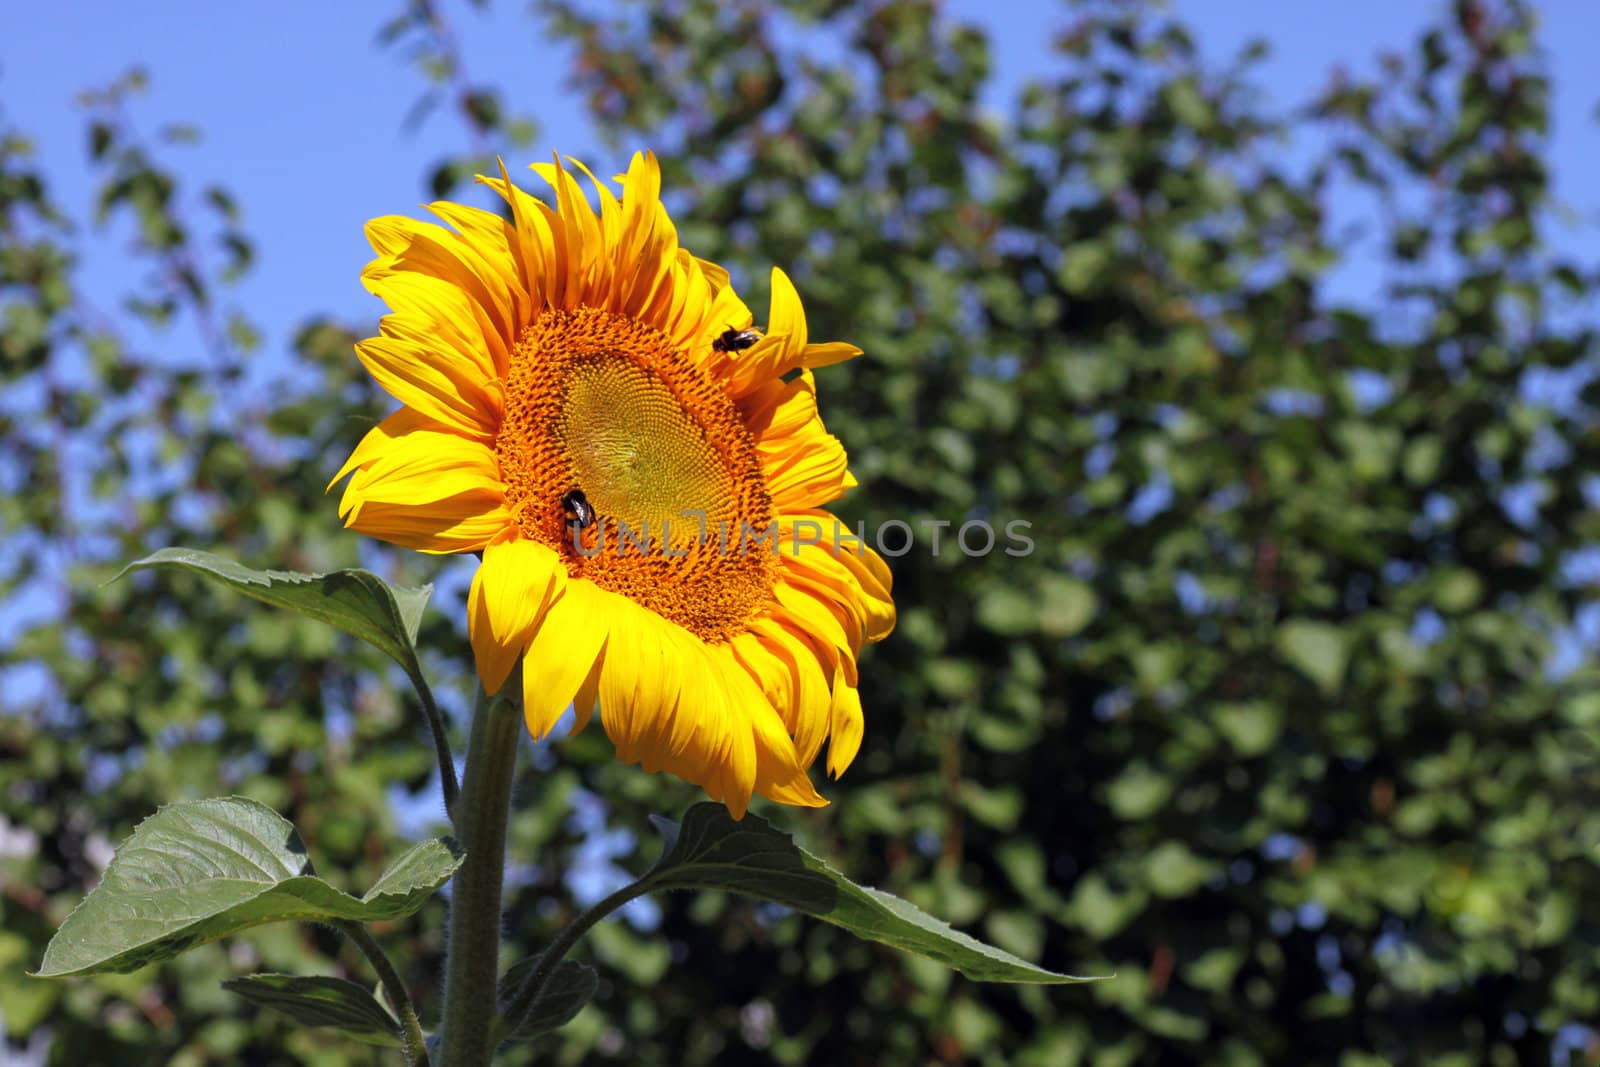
811,471
588,696
424,465
812,616
604,293
692,297
828,352
381,438
787,317
793,685
435,383
534,245
847,728
785,346
439,315
493,240
666,702
780,773
638,258
830,654
577,238
773,674
558,660
510,594
465,523
871,573
781,409
424,488
842,595
715,273
434,252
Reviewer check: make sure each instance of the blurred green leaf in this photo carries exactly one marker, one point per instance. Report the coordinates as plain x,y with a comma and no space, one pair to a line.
1171,869
1318,650
1067,605
1008,611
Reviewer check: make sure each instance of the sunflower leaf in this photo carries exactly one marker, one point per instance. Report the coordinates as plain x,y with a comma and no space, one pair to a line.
319,1001
199,870
709,850
570,986
355,601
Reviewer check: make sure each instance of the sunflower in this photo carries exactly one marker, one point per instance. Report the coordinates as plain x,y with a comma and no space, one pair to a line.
587,405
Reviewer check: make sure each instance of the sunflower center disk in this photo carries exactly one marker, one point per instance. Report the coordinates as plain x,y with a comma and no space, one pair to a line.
606,405
638,455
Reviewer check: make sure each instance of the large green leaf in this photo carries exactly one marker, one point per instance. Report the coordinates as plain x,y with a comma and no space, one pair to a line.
709,850
355,601
320,1001
203,869
570,986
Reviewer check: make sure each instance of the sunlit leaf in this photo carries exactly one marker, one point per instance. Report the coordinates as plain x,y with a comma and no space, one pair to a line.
199,870
355,601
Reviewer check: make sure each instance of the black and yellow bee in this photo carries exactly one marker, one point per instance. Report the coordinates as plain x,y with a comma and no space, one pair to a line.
578,509
732,340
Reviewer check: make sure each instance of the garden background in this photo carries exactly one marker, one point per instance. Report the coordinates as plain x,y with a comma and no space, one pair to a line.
1291,719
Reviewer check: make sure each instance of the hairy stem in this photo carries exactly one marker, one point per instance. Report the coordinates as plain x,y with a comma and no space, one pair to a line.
410,1026
472,964
441,742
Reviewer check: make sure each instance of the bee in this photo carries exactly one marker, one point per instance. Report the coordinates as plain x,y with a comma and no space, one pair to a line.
732,340
578,509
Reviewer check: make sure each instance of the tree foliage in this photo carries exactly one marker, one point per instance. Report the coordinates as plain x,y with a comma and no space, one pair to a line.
1286,720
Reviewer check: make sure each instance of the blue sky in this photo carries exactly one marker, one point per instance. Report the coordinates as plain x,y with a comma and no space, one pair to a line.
301,110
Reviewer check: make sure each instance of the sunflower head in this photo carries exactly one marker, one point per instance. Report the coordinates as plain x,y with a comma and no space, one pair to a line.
591,408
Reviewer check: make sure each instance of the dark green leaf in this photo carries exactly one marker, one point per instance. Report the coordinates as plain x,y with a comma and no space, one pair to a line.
709,850
319,1001
570,986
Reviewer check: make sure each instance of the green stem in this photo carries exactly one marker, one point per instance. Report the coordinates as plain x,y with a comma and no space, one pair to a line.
557,951
441,741
472,965
410,1026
